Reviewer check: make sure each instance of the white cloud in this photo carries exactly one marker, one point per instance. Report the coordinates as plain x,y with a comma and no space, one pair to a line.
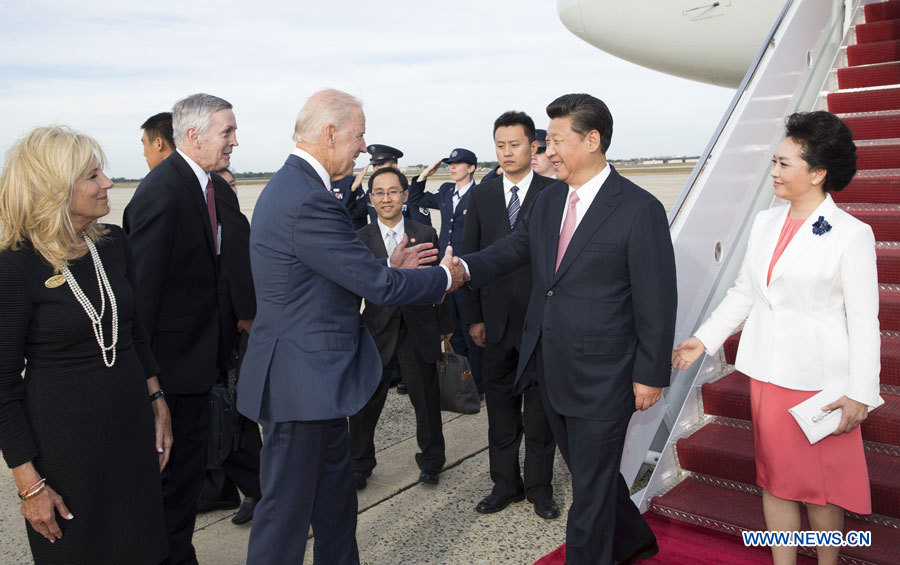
432,77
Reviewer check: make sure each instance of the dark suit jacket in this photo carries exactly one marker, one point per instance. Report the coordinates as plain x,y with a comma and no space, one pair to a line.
310,356
606,318
501,304
426,322
177,272
237,299
357,202
453,220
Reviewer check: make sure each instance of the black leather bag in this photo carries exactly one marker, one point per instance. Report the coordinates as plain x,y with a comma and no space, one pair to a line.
458,392
224,418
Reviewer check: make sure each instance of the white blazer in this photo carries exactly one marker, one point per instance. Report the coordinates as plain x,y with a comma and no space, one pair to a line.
816,322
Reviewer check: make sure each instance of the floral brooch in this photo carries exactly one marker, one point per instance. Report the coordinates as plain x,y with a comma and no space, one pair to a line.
821,226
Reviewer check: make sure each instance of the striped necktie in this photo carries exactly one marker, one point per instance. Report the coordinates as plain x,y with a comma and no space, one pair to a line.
512,211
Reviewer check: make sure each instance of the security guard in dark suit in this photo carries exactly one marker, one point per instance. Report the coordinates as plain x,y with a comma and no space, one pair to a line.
407,335
452,199
496,315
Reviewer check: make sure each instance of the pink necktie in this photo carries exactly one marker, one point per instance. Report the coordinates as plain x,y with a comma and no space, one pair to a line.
565,236
211,210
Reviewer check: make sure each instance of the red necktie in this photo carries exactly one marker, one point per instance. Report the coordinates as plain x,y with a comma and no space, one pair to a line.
565,236
211,210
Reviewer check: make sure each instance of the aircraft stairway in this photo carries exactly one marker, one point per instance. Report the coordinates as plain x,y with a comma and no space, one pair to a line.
714,483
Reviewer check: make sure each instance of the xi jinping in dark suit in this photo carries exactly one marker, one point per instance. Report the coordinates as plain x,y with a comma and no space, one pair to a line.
600,323
411,335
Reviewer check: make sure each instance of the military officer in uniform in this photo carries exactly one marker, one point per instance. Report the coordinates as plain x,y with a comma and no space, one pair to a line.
452,199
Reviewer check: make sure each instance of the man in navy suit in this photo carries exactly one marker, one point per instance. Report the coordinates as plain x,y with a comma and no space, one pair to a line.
452,199
600,322
311,362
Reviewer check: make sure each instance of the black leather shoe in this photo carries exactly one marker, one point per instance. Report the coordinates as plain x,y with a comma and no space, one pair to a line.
493,503
360,478
401,388
245,512
429,477
546,508
646,551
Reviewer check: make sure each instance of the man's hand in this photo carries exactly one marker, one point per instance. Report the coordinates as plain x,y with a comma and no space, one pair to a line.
244,325
415,257
476,332
645,396
357,182
457,271
429,171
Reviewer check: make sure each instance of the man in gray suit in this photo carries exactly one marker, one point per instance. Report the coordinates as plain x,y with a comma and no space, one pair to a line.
311,362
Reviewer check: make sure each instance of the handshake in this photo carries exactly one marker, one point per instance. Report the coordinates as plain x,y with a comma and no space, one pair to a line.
423,255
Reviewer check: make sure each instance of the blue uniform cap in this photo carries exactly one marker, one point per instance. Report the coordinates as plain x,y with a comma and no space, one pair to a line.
461,155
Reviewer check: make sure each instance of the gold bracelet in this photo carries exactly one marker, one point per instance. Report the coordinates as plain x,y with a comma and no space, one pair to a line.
32,491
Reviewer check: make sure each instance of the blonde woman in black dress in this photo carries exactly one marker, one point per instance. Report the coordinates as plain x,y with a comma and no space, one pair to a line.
85,443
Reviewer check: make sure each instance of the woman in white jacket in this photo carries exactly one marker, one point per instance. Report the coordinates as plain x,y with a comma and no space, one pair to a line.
808,291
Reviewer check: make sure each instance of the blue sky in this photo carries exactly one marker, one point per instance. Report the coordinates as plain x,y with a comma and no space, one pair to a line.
432,76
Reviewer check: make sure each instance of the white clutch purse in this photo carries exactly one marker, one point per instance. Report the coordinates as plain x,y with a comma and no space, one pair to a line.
816,425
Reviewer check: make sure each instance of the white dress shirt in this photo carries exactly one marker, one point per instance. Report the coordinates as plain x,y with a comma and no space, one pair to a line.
586,194
523,185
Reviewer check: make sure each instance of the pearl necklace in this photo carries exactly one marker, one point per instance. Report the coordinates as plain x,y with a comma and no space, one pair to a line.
97,319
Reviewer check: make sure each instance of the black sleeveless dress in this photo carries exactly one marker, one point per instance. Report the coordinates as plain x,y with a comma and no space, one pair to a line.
88,429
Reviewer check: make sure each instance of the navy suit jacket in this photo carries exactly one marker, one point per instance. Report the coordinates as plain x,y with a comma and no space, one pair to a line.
606,318
177,271
453,220
310,356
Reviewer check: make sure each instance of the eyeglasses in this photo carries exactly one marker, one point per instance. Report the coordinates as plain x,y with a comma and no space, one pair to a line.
380,194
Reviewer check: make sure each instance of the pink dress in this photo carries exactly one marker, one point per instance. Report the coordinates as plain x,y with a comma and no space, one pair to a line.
831,471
